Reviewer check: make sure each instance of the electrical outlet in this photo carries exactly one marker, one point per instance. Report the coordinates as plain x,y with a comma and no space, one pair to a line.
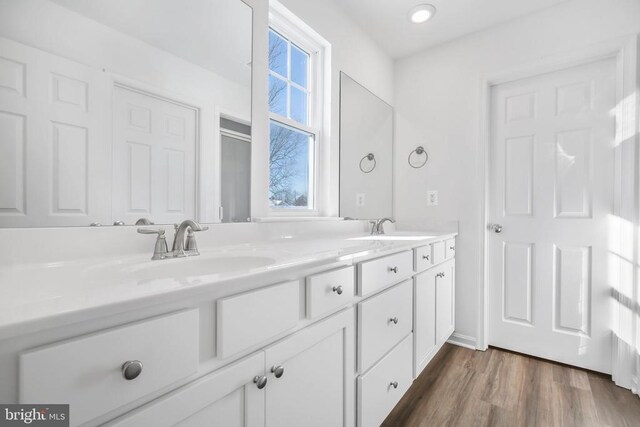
432,198
360,200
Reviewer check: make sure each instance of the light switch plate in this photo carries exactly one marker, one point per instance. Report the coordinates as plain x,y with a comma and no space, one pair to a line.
360,199
432,198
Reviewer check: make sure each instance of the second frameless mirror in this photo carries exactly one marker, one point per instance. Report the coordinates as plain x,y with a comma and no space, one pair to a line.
366,152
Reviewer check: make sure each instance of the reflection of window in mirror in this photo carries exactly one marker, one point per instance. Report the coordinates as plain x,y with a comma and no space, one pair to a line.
295,105
235,170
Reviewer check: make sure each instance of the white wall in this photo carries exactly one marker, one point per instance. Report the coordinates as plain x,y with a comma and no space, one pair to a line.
438,104
353,52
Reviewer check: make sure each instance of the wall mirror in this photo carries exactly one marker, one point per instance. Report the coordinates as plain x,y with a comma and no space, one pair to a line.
113,111
366,152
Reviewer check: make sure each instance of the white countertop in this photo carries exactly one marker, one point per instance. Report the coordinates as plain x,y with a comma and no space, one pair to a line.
35,293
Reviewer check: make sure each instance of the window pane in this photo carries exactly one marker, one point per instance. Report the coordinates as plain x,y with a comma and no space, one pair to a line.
289,179
277,96
277,54
298,105
299,66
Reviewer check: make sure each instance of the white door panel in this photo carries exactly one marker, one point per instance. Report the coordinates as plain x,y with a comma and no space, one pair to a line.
551,188
155,153
52,133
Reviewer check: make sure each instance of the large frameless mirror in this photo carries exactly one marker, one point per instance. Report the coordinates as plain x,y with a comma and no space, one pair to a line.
124,111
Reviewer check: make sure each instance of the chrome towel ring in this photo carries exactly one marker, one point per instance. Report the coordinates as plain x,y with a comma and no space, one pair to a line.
370,157
419,151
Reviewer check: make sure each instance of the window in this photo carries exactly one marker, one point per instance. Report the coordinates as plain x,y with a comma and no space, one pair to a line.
292,145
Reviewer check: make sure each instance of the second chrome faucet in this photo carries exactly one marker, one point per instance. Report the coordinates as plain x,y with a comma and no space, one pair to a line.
182,247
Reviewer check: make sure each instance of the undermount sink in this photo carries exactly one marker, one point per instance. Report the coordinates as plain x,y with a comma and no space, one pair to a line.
196,266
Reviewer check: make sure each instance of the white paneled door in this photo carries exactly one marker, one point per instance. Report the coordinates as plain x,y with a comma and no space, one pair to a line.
550,201
154,149
53,150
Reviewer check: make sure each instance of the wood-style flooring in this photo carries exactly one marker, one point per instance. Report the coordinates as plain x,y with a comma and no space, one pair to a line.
462,387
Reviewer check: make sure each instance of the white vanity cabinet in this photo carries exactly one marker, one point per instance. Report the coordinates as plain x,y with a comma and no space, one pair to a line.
434,309
424,322
272,351
311,376
445,301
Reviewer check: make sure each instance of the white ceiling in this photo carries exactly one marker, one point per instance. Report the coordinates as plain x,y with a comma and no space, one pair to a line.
387,22
215,35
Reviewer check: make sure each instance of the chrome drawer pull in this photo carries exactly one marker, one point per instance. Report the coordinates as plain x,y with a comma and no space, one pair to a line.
260,381
278,371
394,320
131,369
425,257
337,290
393,269
394,384
453,248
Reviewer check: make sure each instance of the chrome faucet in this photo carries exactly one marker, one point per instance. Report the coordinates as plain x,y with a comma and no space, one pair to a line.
190,248
377,227
181,247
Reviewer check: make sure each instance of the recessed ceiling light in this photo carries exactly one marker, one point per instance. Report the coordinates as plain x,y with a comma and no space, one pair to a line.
422,13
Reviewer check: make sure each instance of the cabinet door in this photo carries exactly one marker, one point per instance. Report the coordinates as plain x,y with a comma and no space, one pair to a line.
225,398
424,324
445,300
315,387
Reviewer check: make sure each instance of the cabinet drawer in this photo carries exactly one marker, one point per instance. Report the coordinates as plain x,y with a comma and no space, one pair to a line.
383,321
423,258
220,398
381,272
376,392
450,248
87,372
329,290
248,319
438,253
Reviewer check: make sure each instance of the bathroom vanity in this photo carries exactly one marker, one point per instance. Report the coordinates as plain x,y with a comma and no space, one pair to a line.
326,331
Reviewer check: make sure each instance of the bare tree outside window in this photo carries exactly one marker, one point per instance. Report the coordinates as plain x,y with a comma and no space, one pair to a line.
289,149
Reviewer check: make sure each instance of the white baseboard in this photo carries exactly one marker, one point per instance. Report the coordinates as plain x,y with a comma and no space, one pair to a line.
462,340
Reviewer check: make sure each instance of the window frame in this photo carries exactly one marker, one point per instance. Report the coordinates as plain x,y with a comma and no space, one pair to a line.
299,34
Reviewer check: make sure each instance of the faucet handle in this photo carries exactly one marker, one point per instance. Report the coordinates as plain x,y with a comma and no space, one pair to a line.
161,249
159,231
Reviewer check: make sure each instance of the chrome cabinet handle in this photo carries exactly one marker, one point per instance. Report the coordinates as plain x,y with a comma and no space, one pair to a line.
453,248
394,320
260,381
277,371
425,257
393,269
394,384
441,274
337,290
131,369
497,228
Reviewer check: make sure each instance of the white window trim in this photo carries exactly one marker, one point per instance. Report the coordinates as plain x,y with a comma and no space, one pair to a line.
302,35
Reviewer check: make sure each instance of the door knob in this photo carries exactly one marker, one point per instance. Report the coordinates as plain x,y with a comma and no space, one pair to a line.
260,381
278,371
496,228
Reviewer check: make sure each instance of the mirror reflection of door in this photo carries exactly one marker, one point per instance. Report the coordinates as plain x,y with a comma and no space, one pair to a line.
235,171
